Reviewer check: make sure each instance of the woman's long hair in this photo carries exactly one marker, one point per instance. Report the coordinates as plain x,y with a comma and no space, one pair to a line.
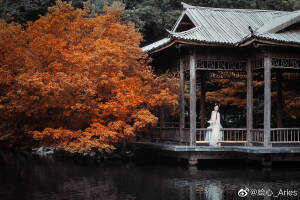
216,104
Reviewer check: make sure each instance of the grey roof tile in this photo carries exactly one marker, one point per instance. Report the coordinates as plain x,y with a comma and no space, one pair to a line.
231,26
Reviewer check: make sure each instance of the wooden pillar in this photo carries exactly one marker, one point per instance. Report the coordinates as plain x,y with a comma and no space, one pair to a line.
279,104
267,99
202,99
249,100
182,115
192,96
192,191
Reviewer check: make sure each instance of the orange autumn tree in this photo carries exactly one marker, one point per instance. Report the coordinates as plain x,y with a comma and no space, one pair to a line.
230,91
78,83
233,93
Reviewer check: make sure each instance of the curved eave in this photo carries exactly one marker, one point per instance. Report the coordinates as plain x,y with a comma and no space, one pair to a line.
156,45
268,41
246,42
189,42
159,48
202,42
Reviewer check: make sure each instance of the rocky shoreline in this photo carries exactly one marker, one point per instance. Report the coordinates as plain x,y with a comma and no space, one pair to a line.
99,157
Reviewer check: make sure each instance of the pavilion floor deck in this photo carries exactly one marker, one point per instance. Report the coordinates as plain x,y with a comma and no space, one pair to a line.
169,142
243,149
193,154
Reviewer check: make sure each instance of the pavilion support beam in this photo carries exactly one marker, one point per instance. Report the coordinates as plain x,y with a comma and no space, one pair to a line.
249,100
279,104
202,99
192,55
182,115
267,99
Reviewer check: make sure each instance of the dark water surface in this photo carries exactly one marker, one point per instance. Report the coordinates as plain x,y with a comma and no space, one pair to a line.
26,178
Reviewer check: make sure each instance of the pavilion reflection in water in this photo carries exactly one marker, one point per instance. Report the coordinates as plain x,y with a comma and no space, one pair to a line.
28,178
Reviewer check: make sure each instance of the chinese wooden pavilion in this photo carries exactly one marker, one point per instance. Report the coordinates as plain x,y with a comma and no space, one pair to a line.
236,40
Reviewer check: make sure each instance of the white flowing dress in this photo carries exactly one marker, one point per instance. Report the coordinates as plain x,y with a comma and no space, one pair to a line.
216,126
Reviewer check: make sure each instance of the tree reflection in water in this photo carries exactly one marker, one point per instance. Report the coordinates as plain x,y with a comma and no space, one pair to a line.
27,178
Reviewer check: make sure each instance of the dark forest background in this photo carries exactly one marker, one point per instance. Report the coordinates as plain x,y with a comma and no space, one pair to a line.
151,17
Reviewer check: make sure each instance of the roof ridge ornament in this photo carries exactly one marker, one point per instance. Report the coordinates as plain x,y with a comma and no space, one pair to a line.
251,30
170,32
185,5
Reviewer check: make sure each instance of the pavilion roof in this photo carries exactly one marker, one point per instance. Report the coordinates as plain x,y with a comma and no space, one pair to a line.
234,27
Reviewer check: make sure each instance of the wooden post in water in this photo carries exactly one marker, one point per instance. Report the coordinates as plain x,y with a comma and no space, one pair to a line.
249,100
267,98
192,56
182,115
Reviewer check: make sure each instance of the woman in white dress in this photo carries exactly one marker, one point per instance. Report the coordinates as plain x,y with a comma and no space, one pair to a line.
215,134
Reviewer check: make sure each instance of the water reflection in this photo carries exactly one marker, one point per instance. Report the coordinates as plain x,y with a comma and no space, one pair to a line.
24,177
214,191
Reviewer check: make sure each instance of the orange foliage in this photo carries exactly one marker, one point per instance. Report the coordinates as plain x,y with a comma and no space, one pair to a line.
234,93
231,92
76,82
291,103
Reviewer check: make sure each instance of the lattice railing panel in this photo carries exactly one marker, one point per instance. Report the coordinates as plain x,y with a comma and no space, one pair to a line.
293,63
257,63
257,135
285,135
214,64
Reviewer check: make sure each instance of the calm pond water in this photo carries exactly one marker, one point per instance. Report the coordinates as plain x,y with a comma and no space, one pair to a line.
28,178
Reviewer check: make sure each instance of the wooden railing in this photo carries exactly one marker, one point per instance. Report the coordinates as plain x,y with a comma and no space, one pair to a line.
201,133
174,124
257,135
173,134
168,124
234,134
165,134
278,135
185,138
285,135
227,134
